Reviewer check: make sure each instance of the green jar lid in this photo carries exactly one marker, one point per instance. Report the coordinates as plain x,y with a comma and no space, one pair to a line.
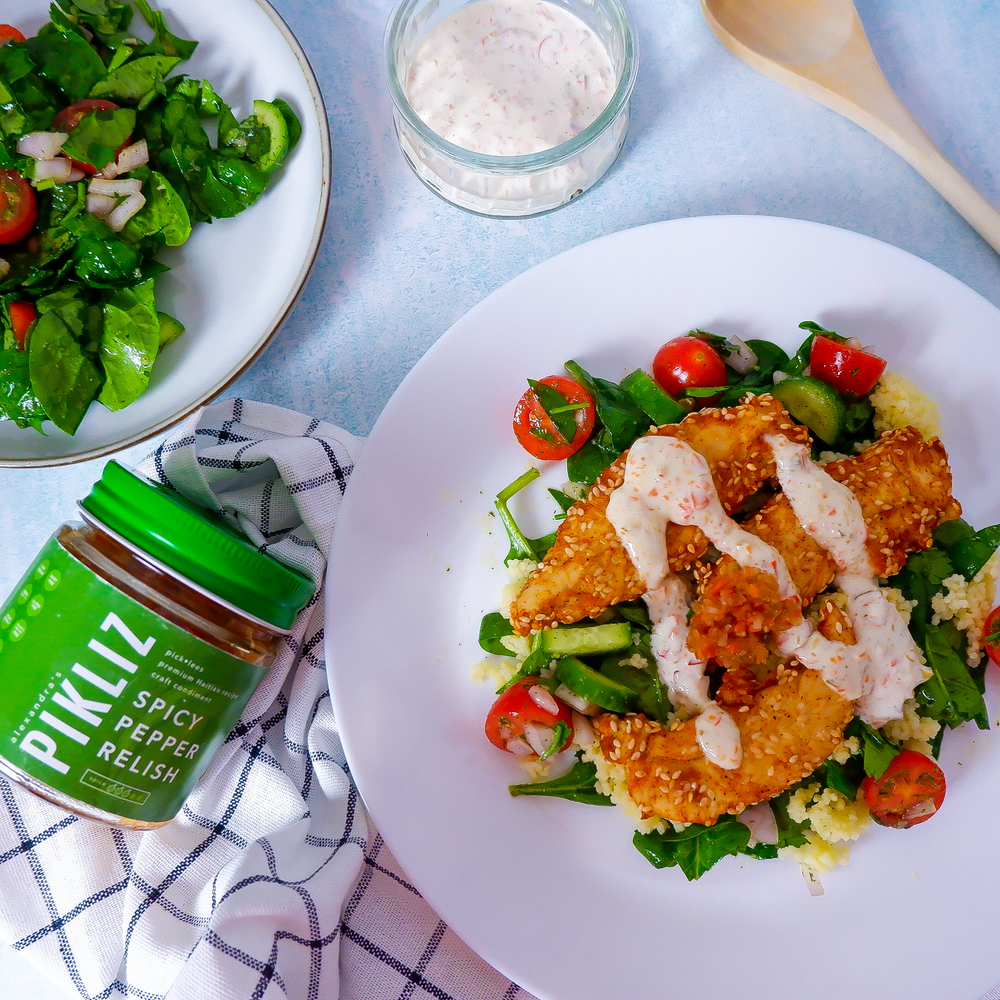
199,545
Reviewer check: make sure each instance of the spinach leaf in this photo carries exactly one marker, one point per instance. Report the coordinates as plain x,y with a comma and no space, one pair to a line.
877,753
107,263
18,401
63,377
164,214
137,80
951,695
578,784
166,41
618,414
919,580
521,547
694,849
969,550
129,342
585,465
99,135
491,629
67,60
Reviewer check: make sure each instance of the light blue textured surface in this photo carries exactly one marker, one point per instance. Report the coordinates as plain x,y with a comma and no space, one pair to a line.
708,136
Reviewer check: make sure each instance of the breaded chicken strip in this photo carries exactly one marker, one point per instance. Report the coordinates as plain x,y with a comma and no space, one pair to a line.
903,483
587,570
787,730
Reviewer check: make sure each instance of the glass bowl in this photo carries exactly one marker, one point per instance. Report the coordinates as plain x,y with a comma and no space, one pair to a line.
510,186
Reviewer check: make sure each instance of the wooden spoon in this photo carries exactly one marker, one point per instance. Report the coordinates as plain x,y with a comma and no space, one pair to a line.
819,48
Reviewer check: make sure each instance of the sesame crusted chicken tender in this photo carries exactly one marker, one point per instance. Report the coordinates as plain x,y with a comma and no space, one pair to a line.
587,569
788,729
903,483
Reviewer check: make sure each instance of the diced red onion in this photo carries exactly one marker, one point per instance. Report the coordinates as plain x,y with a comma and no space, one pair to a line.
539,737
923,809
779,377
583,732
101,205
76,174
130,185
542,697
117,219
57,170
574,700
41,145
743,358
812,880
133,156
519,748
759,819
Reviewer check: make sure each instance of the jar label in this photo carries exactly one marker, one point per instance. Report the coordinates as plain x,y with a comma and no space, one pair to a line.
104,700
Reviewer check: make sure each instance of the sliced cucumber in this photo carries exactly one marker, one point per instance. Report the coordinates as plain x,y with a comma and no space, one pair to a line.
586,640
592,685
813,403
270,115
658,405
291,120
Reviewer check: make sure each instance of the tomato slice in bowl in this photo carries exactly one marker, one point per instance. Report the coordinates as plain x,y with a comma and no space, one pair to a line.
849,370
554,418
8,33
689,363
529,721
22,315
909,792
18,207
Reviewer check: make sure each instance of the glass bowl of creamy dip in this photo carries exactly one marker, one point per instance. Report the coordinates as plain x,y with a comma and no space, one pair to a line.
510,107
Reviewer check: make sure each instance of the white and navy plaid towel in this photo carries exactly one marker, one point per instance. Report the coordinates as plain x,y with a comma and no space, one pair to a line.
241,896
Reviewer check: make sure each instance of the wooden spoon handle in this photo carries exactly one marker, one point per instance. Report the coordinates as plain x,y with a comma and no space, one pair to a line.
882,113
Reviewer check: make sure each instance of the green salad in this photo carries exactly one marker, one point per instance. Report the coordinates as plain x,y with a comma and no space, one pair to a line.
108,154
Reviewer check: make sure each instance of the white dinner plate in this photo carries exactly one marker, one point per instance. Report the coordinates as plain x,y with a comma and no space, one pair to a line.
234,282
552,893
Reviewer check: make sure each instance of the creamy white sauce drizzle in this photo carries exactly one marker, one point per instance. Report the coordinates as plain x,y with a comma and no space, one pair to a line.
881,669
666,481
510,77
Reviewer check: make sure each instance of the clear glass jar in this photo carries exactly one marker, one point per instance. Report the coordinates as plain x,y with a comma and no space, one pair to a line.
510,186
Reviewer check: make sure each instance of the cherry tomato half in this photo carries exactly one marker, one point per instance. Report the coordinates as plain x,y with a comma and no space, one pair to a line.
18,208
991,635
22,315
68,119
8,33
689,363
528,702
911,791
847,369
535,430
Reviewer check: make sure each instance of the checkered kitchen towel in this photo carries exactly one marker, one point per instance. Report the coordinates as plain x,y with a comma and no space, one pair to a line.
241,896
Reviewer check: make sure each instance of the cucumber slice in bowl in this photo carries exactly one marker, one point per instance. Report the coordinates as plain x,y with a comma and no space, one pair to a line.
270,116
593,685
813,403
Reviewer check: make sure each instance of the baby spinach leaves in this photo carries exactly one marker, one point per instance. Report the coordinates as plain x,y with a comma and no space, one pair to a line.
98,331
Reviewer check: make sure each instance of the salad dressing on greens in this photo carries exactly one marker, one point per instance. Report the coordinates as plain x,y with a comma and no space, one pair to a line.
665,480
